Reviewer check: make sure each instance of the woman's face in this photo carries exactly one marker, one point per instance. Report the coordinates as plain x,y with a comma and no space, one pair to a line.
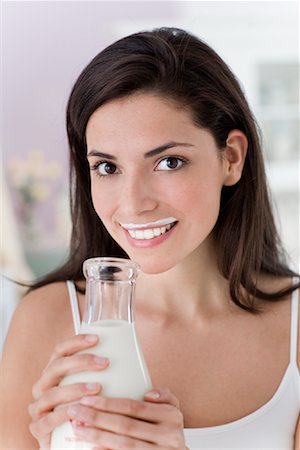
156,179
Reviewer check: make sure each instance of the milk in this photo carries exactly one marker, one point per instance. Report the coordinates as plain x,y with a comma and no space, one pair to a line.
126,376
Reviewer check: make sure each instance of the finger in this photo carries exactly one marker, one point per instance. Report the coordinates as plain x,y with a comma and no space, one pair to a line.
68,365
147,411
110,440
66,348
45,443
61,395
42,428
116,423
74,345
163,395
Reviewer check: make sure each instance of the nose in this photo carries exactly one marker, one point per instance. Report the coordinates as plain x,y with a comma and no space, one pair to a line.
138,196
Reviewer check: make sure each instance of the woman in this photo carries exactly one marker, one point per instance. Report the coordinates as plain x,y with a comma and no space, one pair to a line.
166,169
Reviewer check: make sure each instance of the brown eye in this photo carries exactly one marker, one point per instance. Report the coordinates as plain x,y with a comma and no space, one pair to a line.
170,163
106,168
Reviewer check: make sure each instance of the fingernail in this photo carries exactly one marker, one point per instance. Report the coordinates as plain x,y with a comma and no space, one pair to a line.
100,360
92,386
91,338
153,394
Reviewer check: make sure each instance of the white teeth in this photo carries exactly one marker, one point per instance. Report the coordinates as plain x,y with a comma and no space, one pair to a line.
149,233
139,234
156,231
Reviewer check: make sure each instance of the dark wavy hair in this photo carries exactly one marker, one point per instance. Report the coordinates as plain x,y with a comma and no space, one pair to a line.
176,65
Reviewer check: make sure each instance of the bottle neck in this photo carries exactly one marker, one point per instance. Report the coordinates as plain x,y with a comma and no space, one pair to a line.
109,300
109,289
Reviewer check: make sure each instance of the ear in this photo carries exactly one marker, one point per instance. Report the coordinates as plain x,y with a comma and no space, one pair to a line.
234,155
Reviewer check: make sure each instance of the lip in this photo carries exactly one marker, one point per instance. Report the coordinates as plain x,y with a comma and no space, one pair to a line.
149,243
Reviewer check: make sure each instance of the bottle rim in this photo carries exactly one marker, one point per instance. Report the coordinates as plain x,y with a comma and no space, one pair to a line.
91,266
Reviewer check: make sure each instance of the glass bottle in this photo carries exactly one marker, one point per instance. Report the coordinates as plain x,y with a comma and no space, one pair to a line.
110,284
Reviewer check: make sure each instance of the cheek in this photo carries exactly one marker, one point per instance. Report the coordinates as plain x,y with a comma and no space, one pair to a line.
102,202
200,198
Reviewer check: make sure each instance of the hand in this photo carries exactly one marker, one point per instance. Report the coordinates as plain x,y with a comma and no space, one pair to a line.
120,424
48,394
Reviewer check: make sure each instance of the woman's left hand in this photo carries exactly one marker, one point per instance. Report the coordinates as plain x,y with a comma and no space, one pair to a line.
119,424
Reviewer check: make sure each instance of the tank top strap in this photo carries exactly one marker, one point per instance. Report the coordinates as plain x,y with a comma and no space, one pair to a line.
294,323
74,305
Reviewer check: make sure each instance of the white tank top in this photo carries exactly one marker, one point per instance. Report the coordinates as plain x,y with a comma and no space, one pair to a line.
270,427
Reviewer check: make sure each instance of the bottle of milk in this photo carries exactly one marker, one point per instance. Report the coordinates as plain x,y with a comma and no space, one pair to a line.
109,314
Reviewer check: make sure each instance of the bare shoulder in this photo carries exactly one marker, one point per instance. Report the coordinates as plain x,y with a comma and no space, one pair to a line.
278,313
42,319
284,308
50,299
44,313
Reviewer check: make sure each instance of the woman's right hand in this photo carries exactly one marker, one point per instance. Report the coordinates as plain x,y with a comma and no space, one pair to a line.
48,394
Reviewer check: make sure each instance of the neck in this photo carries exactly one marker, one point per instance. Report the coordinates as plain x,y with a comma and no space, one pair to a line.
192,288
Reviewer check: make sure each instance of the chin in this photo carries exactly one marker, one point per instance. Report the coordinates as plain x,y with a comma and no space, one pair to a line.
152,267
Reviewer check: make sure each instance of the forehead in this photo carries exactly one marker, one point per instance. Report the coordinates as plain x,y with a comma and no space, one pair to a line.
137,113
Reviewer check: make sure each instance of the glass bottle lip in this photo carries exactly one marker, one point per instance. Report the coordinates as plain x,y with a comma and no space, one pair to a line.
110,269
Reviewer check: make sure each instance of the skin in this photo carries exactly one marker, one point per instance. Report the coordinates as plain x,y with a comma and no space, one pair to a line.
187,392
198,180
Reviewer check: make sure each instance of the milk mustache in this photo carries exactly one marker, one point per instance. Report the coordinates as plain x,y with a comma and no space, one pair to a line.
109,296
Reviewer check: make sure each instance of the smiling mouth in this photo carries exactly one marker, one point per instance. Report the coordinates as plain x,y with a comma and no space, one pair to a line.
150,233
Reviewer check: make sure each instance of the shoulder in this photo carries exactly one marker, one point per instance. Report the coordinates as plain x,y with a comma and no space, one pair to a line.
49,299
280,312
41,320
295,338
43,317
45,302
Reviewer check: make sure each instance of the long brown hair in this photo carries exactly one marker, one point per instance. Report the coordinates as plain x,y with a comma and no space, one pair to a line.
176,65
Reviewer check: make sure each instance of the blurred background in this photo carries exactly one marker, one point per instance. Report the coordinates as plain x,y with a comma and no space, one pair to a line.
46,44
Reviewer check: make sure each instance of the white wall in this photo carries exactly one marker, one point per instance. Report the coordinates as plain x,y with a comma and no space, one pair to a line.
46,44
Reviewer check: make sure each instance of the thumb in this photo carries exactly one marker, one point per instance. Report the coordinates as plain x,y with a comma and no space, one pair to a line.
163,395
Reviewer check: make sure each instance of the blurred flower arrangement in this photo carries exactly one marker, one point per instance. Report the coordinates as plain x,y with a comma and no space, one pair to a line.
32,179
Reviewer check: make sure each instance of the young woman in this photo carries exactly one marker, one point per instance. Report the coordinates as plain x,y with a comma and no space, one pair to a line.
167,170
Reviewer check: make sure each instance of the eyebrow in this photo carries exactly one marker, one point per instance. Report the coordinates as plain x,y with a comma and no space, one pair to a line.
101,155
149,154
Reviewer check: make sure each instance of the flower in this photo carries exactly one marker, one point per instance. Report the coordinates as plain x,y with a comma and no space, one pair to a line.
33,181
31,176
